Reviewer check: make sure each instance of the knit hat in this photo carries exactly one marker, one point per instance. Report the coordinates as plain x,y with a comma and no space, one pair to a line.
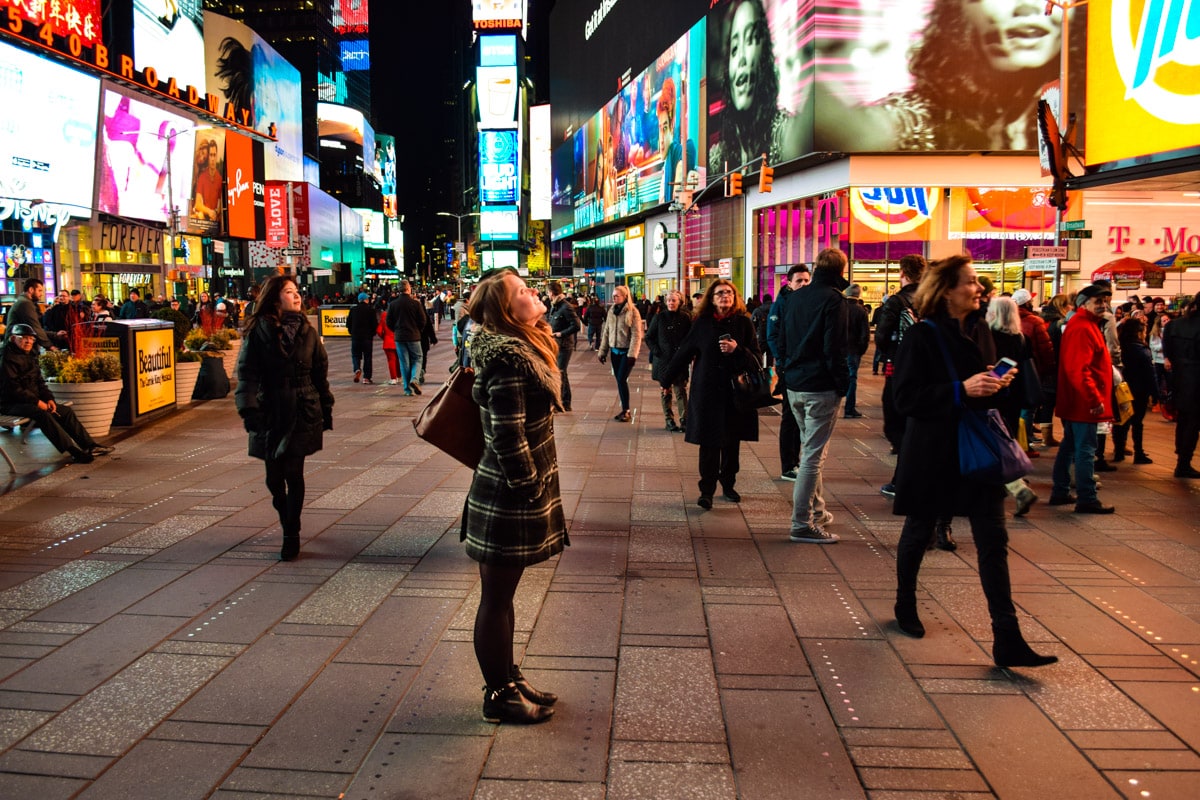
362,296
1022,296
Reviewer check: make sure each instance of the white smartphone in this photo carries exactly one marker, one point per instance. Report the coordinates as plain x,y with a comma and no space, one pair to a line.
1002,367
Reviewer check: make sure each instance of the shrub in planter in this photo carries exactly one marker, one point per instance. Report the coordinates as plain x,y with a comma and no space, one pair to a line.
183,325
90,369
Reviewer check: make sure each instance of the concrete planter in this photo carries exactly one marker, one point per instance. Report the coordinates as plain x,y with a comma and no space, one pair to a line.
186,373
231,356
93,403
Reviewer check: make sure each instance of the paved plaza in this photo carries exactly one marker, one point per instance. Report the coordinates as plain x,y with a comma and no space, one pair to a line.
152,645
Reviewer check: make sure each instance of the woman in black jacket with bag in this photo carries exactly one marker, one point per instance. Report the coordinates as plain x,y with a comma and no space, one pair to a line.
283,398
722,344
666,332
1138,371
929,484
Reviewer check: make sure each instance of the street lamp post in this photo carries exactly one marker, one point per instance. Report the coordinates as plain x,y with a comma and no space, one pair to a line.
459,218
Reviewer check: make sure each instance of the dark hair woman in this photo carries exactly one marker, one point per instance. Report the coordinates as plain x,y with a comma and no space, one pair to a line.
283,398
929,485
720,344
1137,367
513,516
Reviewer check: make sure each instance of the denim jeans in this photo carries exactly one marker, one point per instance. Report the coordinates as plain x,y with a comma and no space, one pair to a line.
816,415
852,392
360,354
622,365
1079,446
409,354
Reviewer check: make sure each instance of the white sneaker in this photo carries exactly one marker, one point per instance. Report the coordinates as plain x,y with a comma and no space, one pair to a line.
393,382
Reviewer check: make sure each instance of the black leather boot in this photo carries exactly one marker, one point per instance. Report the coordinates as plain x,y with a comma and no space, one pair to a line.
531,694
907,618
1009,649
507,704
943,538
291,542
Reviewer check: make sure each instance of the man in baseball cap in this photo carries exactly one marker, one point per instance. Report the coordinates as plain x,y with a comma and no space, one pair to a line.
23,393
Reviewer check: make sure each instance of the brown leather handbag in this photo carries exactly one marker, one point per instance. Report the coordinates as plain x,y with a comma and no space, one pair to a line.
451,421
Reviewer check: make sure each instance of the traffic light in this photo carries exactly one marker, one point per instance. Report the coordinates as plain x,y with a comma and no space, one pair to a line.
735,184
766,178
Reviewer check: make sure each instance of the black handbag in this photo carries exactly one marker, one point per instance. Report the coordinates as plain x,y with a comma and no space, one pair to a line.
752,389
451,421
1029,385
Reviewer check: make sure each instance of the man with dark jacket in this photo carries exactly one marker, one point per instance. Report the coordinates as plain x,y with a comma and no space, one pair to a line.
810,345
361,325
564,323
1181,349
858,339
789,433
134,308
406,317
23,393
1085,386
595,321
26,310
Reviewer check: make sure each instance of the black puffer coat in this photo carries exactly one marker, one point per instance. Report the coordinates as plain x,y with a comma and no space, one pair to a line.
928,482
711,411
513,515
665,334
284,397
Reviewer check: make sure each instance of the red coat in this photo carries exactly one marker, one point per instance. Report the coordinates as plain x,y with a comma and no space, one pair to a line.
1034,329
1085,374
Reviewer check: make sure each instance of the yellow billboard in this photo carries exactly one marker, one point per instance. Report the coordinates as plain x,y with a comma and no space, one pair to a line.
1143,81
154,369
333,321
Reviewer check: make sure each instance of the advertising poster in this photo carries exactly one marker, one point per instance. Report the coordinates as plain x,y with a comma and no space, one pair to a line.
997,222
356,55
539,162
340,129
54,159
240,67
760,100
934,75
206,212
239,186
497,88
351,16
499,160
155,369
168,35
1141,92
385,161
333,321
146,153
639,149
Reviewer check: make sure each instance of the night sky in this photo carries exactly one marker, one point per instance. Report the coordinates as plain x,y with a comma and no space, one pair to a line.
411,56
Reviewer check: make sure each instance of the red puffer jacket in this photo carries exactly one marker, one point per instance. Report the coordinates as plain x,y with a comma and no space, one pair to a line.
1034,328
1085,374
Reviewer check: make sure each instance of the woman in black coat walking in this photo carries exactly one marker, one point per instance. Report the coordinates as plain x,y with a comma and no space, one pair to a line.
1138,371
665,334
722,344
929,485
283,398
513,516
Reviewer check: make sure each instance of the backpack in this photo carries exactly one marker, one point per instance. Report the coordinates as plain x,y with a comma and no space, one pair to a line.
907,320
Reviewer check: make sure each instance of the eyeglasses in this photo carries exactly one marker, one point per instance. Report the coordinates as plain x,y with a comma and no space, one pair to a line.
726,292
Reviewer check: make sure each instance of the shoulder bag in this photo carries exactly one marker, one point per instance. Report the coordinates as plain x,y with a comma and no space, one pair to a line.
752,388
986,451
1122,399
451,421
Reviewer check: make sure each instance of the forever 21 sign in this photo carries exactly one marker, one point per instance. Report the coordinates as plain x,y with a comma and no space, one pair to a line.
130,238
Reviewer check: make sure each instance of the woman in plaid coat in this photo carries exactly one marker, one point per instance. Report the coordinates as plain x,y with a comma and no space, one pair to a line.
513,516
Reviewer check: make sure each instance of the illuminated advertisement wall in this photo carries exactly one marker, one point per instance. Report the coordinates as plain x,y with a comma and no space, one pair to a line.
241,203
80,18
168,35
540,179
499,168
356,54
385,169
351,16
54,159
241,67
1142,93
890,79
368,148
639,148
341,129
500,14
498,91
206,211
137,140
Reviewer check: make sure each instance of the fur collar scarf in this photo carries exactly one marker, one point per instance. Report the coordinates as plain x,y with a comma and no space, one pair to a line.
489,348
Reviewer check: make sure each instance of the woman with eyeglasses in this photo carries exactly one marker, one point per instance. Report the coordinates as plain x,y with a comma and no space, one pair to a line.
622,339
720,345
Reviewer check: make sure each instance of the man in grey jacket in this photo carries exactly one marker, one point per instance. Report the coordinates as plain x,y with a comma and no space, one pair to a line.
810,343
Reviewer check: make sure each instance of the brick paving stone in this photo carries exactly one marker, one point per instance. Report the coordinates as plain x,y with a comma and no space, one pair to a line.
866,684
1172,704
651,709
421,766
755,640
634,780
139,775
730,559
665,606
1155,784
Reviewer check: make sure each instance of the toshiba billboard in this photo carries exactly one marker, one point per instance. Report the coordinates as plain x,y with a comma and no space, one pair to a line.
1143,92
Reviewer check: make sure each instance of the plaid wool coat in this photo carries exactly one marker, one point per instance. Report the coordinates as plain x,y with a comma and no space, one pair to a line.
513,514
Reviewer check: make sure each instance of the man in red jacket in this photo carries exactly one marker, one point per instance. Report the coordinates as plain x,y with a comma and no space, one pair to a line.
1085,377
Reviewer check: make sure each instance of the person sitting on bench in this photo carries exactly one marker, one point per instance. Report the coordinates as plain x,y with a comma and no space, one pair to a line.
23,393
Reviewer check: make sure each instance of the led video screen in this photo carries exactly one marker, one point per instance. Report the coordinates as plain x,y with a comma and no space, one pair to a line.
760,54
242,68
351,15
356,55
499,168
933,75
168,35
146,160
206,211
54,159
341,129
385,162
640,148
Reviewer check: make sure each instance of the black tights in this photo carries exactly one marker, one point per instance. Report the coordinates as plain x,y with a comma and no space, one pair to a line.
285,480
495,623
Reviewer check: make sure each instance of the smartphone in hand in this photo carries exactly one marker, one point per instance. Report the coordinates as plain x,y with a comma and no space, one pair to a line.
1002,367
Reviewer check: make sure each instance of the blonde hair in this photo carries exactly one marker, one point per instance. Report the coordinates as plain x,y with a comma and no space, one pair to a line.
491,307
1002,315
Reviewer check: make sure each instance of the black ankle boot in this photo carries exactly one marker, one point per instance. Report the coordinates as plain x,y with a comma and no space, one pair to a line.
291,543
1010,650
943,537
531,694
907,619
507,704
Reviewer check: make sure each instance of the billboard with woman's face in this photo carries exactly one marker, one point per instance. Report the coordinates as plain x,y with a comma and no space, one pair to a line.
760,77
638,150
168,35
